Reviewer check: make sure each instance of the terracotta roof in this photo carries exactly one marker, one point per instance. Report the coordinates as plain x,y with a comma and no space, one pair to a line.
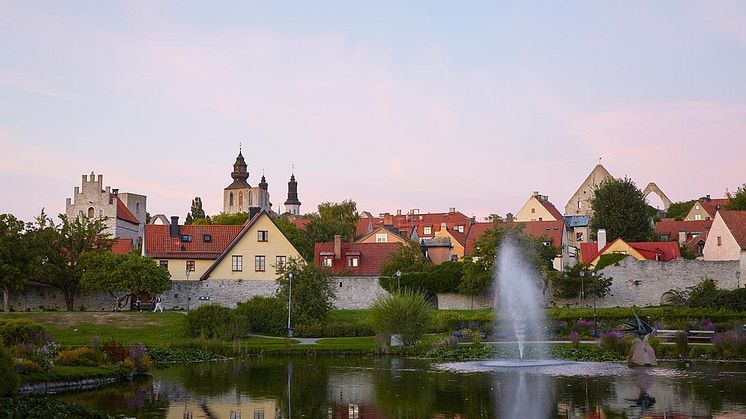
736,222
713,205
667,251
372,257
121,246
406,222
475,232
245,229
549,229
552,209
390,229
672,227
159,243
124,213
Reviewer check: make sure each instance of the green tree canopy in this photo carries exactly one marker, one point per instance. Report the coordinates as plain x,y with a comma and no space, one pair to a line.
15,255
57,250
620,209
333,218
738,199
196,212
408,257
296,236
568,284
122,276
679,210
238,218
312,292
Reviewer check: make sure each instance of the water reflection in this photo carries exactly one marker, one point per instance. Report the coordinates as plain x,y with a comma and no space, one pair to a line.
403,388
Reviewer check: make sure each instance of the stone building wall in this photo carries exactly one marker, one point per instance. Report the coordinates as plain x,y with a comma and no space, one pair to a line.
352,293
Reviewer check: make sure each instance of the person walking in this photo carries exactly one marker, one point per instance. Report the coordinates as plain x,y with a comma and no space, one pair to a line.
138,305
158,305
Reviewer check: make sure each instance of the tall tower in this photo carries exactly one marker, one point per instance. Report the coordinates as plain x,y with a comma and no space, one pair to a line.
292,205
236,197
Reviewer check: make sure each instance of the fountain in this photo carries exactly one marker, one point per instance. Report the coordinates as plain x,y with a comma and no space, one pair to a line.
519,302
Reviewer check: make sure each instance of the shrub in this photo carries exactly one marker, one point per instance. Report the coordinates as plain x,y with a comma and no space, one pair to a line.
28,366
8,375
140,359
18,331
312,292
681,342
115,352
79,356
616,342
574,338
730,344
266,315
214,321
408,314
42,354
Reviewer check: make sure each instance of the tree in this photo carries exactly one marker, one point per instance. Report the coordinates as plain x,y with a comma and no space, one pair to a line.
238,218
620,209
122,276
408,257
679,210
196,212
296,236
15,256
737,200
313,292
333,218
568,284
407,313
57,250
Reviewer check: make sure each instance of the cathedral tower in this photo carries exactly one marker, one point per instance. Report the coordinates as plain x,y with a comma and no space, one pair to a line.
292,205
239,196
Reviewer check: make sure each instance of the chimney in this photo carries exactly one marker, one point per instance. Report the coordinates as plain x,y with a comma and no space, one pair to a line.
337,246
174,227
682,237
535,194
253,211
601,238
509,217
443,226
707,198
398,212
451,210
115,191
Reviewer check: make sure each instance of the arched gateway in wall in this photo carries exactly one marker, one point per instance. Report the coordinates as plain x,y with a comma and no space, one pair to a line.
652,187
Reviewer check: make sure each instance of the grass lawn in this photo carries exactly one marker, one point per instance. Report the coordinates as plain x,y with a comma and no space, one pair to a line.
365,343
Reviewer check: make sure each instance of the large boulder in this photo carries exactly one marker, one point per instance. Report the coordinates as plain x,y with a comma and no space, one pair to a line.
641,354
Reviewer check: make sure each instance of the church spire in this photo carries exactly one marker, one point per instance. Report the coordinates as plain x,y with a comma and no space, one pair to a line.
240,171
292,205
263,184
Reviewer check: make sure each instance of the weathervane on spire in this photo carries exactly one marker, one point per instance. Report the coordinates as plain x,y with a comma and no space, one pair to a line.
240,145
292,169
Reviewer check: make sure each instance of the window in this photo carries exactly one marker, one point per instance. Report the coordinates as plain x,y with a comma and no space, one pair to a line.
533,210
207,238
262,235
382,238
259,414
280,262
353,261
454,258
186,238
240,200
579,236
190,265
427,230
720,241
540,219
460,229
579,202
251,201
230,199
101,213
697,217
326,262
163,264
91,212
237,263
259,263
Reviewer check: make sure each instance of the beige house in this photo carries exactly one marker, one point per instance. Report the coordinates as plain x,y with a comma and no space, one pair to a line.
727,237
457,239
537,208
384,234
706,208
580,203
258,252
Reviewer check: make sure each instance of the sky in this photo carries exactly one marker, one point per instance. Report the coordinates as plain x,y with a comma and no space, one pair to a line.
425,105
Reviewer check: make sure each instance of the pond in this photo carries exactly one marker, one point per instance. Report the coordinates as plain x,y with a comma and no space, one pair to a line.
409,388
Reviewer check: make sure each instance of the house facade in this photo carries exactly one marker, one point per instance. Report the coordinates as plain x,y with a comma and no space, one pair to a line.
727,237
706,208
383,234
538,208
353,259
580,202
591,253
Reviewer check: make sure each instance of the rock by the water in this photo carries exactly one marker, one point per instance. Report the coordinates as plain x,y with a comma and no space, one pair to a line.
641,354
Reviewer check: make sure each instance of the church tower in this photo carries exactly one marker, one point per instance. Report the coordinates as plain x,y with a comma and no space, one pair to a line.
292,205
239,196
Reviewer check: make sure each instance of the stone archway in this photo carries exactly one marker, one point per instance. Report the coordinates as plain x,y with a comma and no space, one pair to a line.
653,188
160,217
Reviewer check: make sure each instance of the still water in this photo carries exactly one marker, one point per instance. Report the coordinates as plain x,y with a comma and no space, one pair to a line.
405,388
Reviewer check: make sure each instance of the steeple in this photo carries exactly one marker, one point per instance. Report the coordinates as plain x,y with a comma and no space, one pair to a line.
263,184
292,205
240,171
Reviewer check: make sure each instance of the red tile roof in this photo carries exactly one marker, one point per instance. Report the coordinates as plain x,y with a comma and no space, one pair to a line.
736,222
406,222
121,246
159,243
713,205
124,213
552,209
672,227
663,251
549,229
372,257
475,232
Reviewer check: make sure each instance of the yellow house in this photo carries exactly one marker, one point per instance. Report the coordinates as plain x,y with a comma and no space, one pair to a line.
258,252
458,241
538,208
384,234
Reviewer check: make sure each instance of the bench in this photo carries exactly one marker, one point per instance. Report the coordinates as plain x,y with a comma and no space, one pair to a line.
698,336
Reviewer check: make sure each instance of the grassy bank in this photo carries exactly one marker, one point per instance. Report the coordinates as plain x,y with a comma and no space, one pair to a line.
64,373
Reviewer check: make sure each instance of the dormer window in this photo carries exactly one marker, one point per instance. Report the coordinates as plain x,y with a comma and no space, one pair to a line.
427,230
353,261
186,238
207,238
262,235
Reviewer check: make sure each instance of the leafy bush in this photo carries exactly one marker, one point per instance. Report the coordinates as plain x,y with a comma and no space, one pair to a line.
730,344
616,342
432,279
408,314
18,331
28,366
115,352
8,376
42,354
139,358
681,341
312,292
43,408
214,321
79,356
266,315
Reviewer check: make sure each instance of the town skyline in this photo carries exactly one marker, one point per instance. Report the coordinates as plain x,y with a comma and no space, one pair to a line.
426,107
